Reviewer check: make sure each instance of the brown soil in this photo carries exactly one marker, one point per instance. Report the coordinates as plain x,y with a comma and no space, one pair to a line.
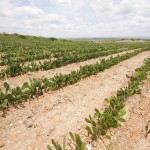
56,113
17,81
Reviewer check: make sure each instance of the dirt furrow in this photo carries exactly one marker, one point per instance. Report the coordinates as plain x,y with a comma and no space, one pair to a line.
58,112
17,81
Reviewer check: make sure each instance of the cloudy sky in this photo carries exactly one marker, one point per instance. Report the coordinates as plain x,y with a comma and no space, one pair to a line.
76,18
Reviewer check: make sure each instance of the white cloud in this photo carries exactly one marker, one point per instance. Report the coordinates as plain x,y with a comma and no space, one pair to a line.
62,2
76,18
28,11
46,19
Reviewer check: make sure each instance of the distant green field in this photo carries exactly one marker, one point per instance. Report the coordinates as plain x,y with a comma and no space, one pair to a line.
20,53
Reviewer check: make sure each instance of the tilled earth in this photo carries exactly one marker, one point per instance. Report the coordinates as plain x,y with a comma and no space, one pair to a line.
54,114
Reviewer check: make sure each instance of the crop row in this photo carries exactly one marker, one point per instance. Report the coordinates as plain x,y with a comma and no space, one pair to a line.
16,69
112,117
38,87
19,51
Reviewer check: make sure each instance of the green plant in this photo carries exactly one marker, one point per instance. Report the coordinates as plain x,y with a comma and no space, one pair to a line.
14,70
53,39
22,36
102,122
78,142
57,146
5,34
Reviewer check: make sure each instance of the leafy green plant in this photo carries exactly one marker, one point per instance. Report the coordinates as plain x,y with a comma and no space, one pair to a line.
14,70
78,142
4,104
57,146
53,39
102,122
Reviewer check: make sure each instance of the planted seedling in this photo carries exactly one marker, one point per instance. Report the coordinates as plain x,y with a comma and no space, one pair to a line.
78,142
57,146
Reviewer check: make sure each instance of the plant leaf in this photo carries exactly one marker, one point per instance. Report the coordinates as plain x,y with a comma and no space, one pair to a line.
122,112
49,148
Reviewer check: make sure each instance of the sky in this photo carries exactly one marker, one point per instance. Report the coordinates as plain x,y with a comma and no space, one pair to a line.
76,18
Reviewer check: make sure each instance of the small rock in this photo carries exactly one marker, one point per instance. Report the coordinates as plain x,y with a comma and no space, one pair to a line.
19,122
94,144
89,147
143,113
30,115
45,108
69,138
28,123
2,144
31,147
11,125
141,108
48,131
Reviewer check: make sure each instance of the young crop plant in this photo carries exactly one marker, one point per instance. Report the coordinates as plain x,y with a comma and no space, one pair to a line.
17,95
110,118
57,146
4,98
76,143
14,70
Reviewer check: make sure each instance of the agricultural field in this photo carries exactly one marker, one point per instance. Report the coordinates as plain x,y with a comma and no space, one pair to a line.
58,94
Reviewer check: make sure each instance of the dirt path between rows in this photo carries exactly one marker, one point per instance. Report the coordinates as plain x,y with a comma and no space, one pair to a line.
131,136
17,81
64,110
